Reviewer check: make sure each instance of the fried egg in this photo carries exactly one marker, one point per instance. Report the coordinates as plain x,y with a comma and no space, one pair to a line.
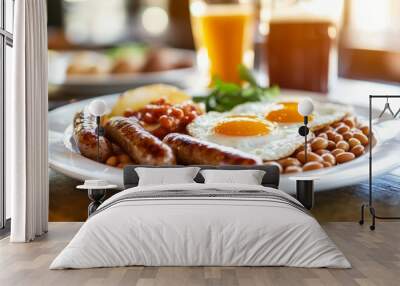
249,133
284,113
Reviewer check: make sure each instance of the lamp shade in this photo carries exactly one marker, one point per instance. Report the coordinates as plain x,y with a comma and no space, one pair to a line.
305,107
97,107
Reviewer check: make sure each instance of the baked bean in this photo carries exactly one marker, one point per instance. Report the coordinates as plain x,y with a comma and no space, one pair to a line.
343,145
337,152
331,145
301,148
289,162
317,131
347,135
188,108
165,121
274,163
319,143
356,130
149,118
321,151
337,124
311,156
342,129
326,128
312,166
362,138
364,130
326,164
177,112
358,150
170,118
329,158
354,142
349,121
344,157
123,158
338,138
112,161
331,134
292,169
323,135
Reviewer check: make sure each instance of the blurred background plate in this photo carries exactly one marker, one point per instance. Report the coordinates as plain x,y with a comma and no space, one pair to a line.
180,65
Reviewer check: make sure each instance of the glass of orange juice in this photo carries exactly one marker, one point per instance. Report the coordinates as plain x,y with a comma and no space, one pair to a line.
223,34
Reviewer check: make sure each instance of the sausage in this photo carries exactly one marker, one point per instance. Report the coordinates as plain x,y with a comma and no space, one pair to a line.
192,151
85,136
142,146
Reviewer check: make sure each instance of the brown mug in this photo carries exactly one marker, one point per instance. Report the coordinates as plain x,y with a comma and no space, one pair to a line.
299,54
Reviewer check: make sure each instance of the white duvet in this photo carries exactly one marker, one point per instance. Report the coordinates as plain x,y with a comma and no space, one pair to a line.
188,231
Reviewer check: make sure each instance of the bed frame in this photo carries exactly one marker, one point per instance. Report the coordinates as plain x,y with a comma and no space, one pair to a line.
271,178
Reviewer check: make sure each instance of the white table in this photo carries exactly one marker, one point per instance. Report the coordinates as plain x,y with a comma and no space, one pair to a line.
96,195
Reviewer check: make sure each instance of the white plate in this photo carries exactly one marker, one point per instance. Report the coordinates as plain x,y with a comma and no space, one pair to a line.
113,83
64,159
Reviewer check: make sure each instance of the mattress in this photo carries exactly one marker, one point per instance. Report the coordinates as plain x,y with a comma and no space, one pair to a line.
201,225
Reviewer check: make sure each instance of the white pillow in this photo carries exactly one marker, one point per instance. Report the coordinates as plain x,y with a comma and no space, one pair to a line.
248,177
166,176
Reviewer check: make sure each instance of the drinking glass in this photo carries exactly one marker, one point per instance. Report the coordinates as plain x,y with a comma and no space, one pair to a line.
301,45
223,34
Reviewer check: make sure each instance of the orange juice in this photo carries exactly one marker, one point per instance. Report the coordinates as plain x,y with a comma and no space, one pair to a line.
223,34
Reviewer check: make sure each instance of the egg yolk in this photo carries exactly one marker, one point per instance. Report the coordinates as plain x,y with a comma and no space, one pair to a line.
286,113
241,126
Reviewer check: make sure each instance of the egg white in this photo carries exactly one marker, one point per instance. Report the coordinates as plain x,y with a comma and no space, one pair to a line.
280,142
327,113
323,115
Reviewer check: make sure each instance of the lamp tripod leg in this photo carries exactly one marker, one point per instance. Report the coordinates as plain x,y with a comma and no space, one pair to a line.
361,222
372,211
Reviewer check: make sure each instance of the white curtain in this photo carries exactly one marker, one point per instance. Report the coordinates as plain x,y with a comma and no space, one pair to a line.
26,123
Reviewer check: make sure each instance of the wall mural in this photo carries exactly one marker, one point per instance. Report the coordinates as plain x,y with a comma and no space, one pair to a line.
236,118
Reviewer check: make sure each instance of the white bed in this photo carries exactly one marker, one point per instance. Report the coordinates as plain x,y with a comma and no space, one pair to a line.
201,224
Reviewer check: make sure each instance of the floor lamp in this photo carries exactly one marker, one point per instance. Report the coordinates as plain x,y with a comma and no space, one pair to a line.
96,193
305,185
305,108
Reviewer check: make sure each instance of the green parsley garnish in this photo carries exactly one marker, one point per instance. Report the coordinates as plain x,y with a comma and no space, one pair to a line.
226,96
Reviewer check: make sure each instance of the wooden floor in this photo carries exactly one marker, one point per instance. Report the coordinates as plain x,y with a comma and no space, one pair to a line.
375,257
